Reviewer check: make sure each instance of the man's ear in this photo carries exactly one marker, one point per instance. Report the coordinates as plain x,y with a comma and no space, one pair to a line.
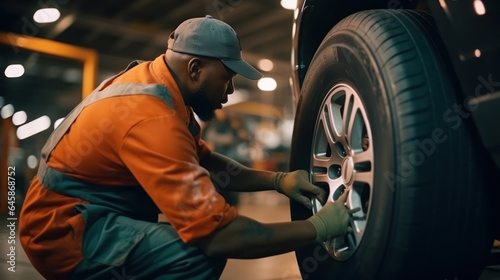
194,68
170,42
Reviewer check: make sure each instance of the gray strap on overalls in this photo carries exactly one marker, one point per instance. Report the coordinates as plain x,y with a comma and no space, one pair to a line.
99,94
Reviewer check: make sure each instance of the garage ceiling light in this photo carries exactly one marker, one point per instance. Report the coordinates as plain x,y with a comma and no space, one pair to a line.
32,161
33,127
289,4
265,65
477,52
58,122
443,4
46,15
14,71
267,84
19,118
479,7
7,111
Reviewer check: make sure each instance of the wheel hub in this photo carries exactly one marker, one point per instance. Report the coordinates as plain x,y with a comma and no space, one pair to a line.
348,170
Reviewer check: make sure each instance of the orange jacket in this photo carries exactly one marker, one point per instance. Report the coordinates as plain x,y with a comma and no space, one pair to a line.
125,141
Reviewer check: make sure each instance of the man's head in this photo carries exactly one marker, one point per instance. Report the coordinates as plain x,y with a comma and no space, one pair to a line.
205,55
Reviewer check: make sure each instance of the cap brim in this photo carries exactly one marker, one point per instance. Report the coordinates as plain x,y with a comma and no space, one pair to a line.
243,68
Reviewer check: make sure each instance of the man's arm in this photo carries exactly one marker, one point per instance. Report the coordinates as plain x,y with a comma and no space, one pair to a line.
229,175
245,238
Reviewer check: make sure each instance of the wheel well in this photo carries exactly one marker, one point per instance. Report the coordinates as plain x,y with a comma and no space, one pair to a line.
319,16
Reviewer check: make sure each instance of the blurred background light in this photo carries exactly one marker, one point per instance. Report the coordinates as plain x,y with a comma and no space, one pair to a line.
14,71
289,4
287,131
443,4
269,136
267,84
477,52
32,161
265,65
479,7
72,75
2,101
58,122
46,15
7,111
19,118
238,96
53,72
33,127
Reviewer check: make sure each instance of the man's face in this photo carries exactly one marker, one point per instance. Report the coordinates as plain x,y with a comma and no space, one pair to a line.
213,92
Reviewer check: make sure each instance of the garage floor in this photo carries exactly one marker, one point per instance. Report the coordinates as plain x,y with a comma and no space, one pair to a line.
265,207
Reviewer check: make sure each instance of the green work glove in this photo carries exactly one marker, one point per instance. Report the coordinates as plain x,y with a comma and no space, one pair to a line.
332,220
296,186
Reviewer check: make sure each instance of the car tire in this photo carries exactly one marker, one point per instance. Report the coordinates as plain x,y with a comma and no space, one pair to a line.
422,184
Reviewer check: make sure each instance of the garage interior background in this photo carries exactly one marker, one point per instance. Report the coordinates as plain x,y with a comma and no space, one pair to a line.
255,128
121,31
256,124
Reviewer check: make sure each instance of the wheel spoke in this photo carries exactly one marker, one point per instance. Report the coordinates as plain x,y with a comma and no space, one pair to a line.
334,120
333,184
364,177
322,162
365,156
321,177
348,105
320,173
358,219
358,227
322,146
355,131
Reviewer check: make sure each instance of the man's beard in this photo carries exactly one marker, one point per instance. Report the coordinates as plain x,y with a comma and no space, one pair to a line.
201,105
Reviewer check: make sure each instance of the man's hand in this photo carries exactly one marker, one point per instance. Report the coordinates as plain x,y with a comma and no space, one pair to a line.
332,220
296,186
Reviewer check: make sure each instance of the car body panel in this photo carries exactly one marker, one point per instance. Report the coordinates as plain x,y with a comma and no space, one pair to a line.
472,40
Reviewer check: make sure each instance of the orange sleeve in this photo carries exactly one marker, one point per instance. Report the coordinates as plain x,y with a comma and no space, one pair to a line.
162,155
202,148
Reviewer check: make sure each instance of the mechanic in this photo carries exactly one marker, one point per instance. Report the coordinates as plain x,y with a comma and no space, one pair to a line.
132,150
